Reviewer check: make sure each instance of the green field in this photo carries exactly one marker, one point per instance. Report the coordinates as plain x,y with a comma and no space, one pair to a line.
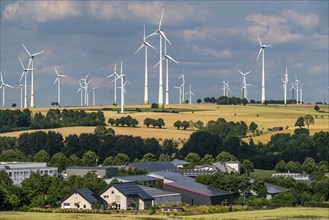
261,173
300,213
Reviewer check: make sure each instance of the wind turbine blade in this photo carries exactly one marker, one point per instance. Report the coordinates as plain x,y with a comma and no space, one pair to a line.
148,44
172,59
154,33
20,79
144,32
259,53
56,71
63,75
241,72
248,72
267,45
192,93
38,53
26,50
6,85
86,77
21,63
55,80
79,90
139,48
259,40
156,64
165,37
161,18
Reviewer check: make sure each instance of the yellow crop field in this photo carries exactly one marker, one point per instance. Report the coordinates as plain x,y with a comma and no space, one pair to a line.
265,116
300,213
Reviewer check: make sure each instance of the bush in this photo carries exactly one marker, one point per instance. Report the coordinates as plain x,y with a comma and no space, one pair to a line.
316,204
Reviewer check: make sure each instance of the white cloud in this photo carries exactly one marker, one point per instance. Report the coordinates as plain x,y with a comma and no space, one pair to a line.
212,52
308,20
272,29
320,41
40,11
319,69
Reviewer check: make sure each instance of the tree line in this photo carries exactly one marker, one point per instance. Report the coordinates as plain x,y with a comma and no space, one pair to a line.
14,120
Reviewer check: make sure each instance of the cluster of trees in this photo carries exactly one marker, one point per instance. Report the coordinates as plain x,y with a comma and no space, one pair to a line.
189,124
306,120
154,122
38,190
103,142
13,120
129,121
224,100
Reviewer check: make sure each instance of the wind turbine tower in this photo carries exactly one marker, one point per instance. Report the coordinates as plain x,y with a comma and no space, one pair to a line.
115,82
292,89
180,93
285,82
301,94
24,74
161,34
297,90
58,80
3,85
262,50
183,84
21,86
94,95
145,44
32,56
81,88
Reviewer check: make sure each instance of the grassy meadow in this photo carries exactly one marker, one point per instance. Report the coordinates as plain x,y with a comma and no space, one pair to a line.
300,213
268,117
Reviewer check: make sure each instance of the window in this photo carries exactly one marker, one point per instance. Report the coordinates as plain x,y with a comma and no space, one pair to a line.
106,196
67,204
9,173
84,206
112,191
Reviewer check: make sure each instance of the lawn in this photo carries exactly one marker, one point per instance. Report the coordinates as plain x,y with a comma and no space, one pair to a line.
300,213
265,116
261,173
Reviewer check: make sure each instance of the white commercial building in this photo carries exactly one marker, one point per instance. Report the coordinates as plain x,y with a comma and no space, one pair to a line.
19,171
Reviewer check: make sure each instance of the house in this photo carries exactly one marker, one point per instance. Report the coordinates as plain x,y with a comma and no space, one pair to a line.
19,171
193,172
101,172
126,196
161,196
271,189
179,163
151,166
192,192
83,199
140,179
295,176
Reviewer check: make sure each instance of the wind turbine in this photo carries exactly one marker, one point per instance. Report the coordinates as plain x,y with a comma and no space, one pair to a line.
145,44
161,34
81,91
24,73
244,84
227,88
58,80
183,84
32,73
180,93
262,49
85,87
124,82
115,82
21,90
94,94
285,82
224,88
292,89
301,94
297,91
3,85
191,93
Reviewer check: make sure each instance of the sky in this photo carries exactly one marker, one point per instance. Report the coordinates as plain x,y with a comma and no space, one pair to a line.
212,39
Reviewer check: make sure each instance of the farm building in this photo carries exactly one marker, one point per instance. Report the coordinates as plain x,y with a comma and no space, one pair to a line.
162,196
140,179
83,199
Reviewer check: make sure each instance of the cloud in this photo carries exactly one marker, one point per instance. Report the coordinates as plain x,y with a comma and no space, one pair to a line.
212,52
308,20
320,41
319,69
272,29
40,11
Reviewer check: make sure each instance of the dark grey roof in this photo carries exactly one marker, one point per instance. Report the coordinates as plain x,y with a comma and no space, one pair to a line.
88,195
140,178
158,192
274,189
152,166
89,167
198,188
177,162
131,189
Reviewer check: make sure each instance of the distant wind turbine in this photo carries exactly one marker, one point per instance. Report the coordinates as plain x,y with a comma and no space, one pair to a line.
285,82
183,84
297,90
81,88
24,74
262,49
58,80
244,84
191,93
180,93
21,86
301,94
3,85
115,82
32,56
94,95
145,44
292,89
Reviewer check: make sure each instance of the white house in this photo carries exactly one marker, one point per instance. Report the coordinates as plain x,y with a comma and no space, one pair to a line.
82,199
